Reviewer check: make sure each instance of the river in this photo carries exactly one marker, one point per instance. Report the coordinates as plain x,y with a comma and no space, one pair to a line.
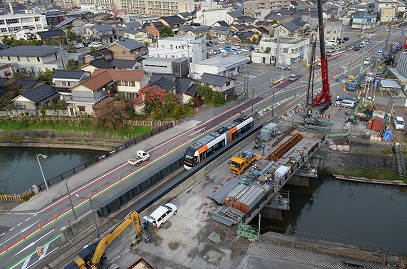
367,215
19,168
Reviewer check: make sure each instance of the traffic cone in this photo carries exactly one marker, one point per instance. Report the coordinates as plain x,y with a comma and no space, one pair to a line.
214,189
204,211
207,195
207,219
205,203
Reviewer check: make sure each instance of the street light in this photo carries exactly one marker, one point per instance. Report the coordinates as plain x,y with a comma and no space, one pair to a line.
70,199
93,214
42,173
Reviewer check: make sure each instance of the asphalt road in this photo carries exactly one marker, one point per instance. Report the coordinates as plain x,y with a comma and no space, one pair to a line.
22,232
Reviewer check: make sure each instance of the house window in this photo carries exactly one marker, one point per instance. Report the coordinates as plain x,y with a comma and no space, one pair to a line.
56,58
124,52
28,59
38,58
285,50
8,57
63,83
3,30
81,108
133,83
18,58
227,83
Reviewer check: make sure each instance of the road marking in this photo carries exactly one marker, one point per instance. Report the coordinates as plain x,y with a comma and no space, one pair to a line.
19,224
11,229
32,243
2,234
28,219
40,258
25,229
44,251
26,261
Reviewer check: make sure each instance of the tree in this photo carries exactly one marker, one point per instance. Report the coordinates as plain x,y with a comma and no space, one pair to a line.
166,31
72,65
111,115
205,92
45,76
218,99
11,90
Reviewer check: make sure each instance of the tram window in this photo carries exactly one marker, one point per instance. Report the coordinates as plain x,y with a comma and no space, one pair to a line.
234,135
203,156
209,151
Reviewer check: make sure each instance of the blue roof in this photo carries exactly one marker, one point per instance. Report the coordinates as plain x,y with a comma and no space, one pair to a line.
40,94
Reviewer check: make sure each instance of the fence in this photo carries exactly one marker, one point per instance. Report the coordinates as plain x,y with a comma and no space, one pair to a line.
16,197
85,165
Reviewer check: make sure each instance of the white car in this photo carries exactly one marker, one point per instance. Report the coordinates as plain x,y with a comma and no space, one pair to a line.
399,123
366,61
95,45
161,215
245,50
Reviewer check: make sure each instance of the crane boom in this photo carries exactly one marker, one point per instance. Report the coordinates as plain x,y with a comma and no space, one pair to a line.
324,96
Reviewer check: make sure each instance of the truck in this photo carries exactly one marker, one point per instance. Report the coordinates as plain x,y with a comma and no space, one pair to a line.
140,157
242,160
93,255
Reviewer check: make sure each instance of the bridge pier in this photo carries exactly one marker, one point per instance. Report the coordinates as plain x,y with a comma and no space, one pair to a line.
299,181
271,213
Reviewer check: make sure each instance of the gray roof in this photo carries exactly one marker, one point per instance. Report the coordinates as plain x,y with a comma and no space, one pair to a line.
69,74
173,20
132,25
186,85
212,79
123,64
41,93
129,44
26,83
290,26
30,51
165,82
103,27
101,64
50,34
65,22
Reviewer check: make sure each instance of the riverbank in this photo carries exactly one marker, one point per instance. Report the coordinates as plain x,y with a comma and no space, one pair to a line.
99,145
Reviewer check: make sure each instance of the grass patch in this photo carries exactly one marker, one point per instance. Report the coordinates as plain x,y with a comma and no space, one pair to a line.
364,172
83,126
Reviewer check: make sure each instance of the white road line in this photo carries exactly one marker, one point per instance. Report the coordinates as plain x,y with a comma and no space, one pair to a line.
25,229
28,219
32,243
11,229
39,260
2,234
26,261
19,224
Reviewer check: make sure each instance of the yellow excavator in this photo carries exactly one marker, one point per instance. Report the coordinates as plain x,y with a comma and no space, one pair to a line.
92,256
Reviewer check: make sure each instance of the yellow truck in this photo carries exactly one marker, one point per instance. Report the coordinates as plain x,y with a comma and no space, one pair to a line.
242,160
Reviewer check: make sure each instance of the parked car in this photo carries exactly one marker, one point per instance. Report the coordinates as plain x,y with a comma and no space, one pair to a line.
245,49
227,48
79,45
398,123
161,215
356,48
95,44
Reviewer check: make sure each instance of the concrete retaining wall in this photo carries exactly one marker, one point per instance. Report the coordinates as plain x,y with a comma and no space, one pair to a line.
75,228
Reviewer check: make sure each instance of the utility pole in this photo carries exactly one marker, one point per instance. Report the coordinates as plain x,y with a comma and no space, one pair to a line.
277,51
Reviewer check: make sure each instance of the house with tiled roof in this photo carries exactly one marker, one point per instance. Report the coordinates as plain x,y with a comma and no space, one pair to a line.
250,36
127,49
221,23
97,64
104,54
288,29
51,34
29,101
175,22
132,25
223,84
104,33
104,83
139,35
64,80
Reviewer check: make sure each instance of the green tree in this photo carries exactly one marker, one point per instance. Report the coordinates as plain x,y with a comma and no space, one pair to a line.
205,93
218,99
166,31
45,76
11,90
72,65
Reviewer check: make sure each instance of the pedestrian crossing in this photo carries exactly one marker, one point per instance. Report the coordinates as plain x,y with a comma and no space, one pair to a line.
382,101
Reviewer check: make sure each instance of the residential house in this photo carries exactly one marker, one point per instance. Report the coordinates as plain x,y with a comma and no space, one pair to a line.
6,71
119,31
104,54
65,23
29,101
228,65
51,34
220,33
127,49
132,25
175,22
183,88
97,64
64,80
104,33
26,59
245,37
288,29
223,84
139,35
177,66
55,17
128,82
153,30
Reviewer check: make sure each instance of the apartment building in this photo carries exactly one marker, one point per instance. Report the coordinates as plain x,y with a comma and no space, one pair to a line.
157,7
12,23
250,7
179,47
26,59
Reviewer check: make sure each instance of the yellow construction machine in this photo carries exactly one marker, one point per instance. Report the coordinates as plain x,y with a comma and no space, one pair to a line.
93,256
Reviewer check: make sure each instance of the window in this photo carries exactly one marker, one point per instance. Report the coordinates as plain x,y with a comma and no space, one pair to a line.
63,83
3,30
10,21
285,50
8,57
227,83
28,59
81,108
56,57
18,58
1,21
38,59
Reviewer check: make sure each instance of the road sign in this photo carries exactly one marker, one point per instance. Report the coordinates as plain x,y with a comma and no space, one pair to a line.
39,251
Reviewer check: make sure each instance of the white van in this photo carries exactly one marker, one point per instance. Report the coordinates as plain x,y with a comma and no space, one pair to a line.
161,215
348,103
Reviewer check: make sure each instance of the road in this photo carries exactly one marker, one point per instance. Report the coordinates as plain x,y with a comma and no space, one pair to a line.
22,232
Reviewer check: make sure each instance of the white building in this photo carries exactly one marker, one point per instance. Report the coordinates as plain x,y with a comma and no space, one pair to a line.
26,59
12,23
192,47
210,17
289,50
226,65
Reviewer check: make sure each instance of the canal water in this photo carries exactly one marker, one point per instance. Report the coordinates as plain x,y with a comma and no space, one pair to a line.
19,168
367,215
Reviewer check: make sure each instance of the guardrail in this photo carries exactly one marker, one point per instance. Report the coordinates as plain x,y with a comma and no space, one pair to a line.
85,165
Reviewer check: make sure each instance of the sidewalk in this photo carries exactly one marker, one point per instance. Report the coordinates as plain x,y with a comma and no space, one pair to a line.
85,176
